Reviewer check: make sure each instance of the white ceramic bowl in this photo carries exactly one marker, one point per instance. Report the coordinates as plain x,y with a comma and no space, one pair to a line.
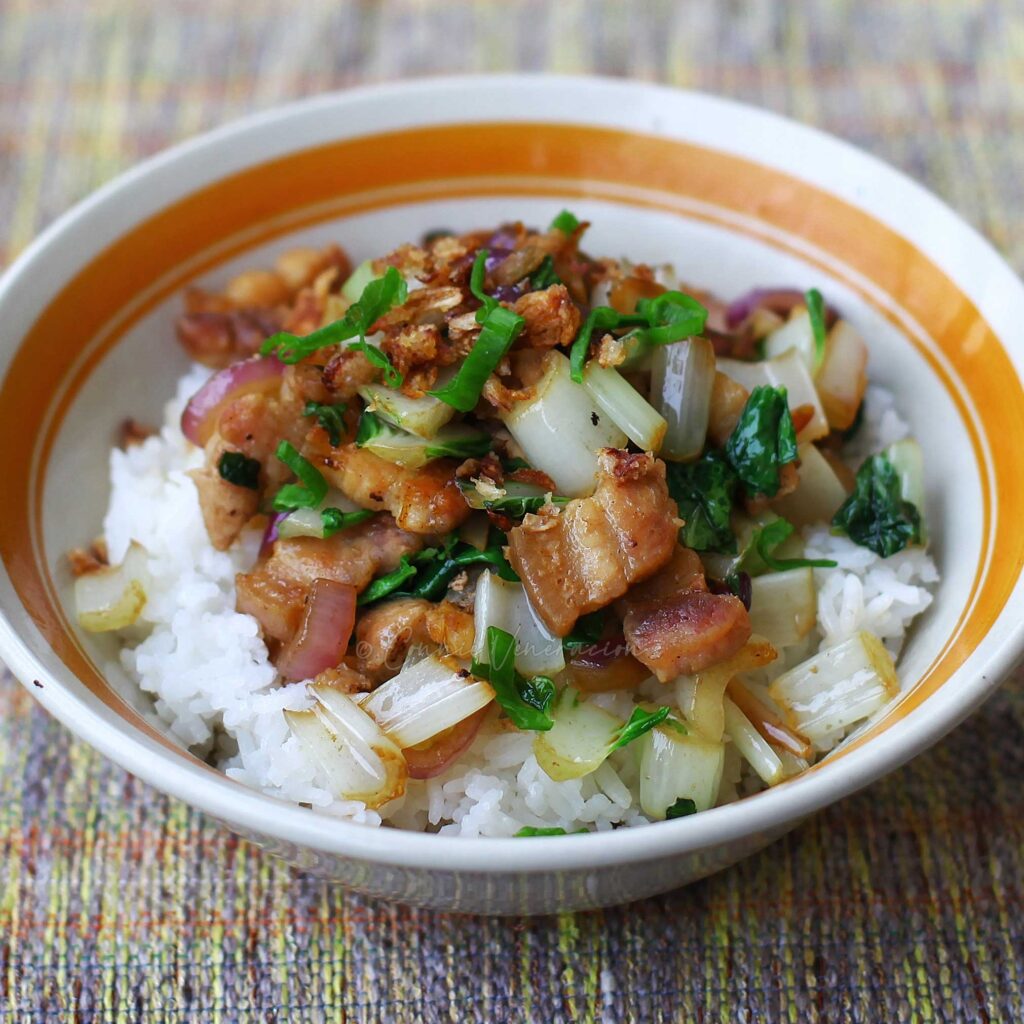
733,196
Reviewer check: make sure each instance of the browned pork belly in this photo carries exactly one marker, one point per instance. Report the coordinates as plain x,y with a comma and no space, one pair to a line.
386,631
274,593
674,626
425,500
582,558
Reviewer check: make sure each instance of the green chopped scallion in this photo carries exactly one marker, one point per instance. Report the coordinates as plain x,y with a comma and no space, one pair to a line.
334,519
565,222
380,295
500,329
329,417
311,490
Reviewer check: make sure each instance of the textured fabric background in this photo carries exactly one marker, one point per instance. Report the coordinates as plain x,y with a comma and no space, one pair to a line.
903,903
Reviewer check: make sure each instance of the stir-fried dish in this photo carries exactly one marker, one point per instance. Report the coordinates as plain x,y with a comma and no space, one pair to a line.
504,486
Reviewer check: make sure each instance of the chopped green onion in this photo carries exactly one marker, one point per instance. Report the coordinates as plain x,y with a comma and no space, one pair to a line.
240,470
334,519
329,417
379,295
392,377
670,317
476,285
500,329
639,722
544,276
600,318
816,309
681,808
565,222
313,487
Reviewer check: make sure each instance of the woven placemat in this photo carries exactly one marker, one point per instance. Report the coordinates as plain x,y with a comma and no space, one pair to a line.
900,904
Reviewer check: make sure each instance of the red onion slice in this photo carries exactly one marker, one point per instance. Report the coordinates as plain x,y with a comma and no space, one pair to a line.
250,376
322,638
270,533
426,762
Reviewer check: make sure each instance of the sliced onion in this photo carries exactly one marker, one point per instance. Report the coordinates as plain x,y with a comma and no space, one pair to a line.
309,522
504,604
426,699
752,745
561,430
765,717
579,741
423,416
628,409
258,375
303,522
777,300
271,532
819,491
827,694
476,530
113,597
323,636
682,376
700,697
426,760
358,759
842,379
412,451
788,371
784,606
791,764
358,280
674,766
700,701
797,333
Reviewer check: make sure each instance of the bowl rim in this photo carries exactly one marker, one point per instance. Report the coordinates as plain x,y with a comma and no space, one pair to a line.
771,810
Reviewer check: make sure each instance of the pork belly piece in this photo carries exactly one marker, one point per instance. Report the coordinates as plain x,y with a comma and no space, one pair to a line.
674,626
582,558
424,500
274,593
385,632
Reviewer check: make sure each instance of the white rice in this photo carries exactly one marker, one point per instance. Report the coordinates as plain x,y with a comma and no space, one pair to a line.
213,686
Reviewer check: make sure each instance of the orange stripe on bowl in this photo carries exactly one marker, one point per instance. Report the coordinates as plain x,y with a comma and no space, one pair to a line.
539,159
